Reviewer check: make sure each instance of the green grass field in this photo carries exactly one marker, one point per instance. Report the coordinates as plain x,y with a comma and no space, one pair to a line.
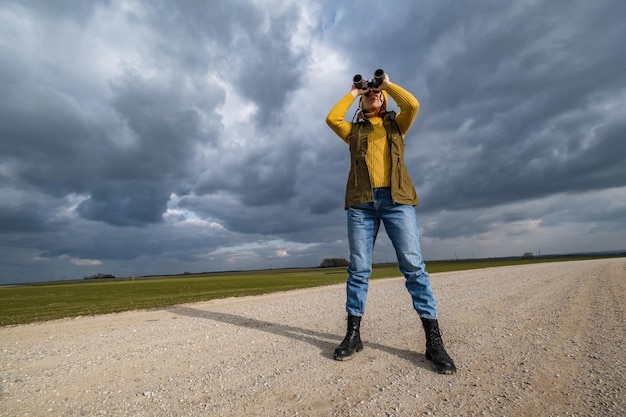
40,302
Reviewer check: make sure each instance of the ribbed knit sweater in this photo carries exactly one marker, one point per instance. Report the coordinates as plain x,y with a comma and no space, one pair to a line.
378,155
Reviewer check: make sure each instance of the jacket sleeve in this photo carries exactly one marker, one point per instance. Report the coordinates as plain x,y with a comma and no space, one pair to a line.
409,106
336,118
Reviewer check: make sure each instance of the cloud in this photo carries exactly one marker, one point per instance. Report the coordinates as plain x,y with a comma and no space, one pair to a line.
142,138
85,262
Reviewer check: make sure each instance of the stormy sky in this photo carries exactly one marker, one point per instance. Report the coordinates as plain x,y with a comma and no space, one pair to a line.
145,137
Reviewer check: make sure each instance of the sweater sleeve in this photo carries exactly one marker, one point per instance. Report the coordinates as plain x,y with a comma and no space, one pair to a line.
336,118
409,106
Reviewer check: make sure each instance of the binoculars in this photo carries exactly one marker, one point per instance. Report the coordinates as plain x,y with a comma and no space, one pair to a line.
363,84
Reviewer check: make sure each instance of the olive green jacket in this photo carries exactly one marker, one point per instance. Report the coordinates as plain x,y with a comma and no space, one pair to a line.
358,188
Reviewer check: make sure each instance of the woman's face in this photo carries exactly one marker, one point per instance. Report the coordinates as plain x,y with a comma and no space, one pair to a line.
372,101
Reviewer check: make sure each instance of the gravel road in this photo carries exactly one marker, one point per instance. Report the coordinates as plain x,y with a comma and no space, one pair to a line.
533,340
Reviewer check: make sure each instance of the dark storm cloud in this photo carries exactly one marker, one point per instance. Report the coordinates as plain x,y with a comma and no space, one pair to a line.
13,219
249,44
262,176
161,137
514,103
273,68
159,160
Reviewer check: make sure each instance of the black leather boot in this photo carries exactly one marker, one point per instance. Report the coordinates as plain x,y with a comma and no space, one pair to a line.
435,351
352,342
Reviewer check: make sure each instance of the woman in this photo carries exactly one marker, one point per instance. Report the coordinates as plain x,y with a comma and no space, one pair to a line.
379,189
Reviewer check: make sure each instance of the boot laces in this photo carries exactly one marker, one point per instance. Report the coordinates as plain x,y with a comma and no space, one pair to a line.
435,341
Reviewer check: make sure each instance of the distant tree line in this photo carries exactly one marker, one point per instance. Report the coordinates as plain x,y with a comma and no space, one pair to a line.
101,276
333,262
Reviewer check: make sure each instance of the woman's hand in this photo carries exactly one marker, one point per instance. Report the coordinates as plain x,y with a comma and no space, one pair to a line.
384,84
357,91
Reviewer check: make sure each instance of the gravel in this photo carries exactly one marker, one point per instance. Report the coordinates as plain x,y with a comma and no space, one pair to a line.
534,340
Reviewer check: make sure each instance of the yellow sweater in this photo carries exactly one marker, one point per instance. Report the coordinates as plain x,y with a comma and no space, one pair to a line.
378,156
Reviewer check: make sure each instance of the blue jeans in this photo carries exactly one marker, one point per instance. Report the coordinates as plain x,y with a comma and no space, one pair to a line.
400,222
